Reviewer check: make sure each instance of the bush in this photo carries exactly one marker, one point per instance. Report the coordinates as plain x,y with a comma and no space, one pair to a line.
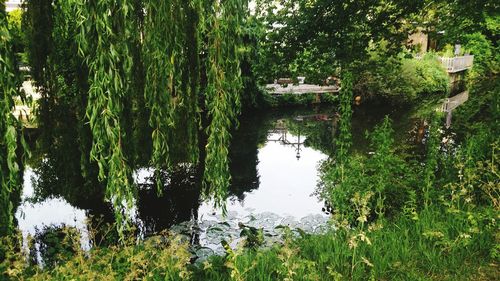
435,78
14,20
485,62
286,100
421,77
402,79
158,258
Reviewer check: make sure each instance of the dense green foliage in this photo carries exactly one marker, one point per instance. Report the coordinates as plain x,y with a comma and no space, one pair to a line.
452,200
171,47
291,100
37,25
153,260
382,173
459,18
401,79
14,19
224,85
106,68
315,38
486,55
10,169
105,42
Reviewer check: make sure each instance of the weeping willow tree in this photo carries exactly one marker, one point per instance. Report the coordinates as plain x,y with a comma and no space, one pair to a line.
190,53
10,170
173,34
222,94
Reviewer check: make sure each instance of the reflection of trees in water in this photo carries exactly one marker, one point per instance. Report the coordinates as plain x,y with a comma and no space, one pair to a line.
318,130
65,181
54,244
253,133
243,153
279,134
367,116
63,170
178,202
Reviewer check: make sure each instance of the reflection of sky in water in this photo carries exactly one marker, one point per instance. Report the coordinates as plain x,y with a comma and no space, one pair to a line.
285,190
286,183
51,211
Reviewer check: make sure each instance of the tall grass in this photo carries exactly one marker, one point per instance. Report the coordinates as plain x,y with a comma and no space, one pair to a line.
451,235
394,219
431,248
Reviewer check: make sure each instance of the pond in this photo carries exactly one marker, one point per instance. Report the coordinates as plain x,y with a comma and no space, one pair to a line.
275,157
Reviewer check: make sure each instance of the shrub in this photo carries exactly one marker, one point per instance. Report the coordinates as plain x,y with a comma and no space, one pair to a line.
421,77
160,257
484,61
402,79
14,20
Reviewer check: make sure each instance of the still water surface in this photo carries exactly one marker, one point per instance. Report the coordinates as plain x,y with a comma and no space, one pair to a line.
274,165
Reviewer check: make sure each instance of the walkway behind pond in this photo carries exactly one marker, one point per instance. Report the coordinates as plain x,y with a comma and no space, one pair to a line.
278,89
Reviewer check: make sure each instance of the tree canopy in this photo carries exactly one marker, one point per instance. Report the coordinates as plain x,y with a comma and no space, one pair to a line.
329,34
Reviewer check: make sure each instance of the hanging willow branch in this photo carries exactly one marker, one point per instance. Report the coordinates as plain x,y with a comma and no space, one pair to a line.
10,171
193,28
171,56
223,89
106,32
159,75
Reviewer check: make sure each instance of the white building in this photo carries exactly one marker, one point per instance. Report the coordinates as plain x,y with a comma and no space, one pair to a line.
11,5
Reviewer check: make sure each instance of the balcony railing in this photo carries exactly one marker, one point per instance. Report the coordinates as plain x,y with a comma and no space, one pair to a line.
457,64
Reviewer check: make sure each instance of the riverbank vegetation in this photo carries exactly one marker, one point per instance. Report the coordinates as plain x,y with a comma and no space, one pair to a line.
401,79
164,84
408,221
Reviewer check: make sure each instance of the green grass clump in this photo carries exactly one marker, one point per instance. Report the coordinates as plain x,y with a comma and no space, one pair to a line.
157,258
438,244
